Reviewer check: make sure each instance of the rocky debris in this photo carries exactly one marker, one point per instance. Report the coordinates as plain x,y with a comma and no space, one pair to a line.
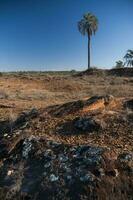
10,172
107,99
41,166
10,135
65,109
125,161
53,163
9,126
87,105
34,166
99,103
24,117
5,126
53,178
117,126
80,125
88,177
87,124
27,146
8,145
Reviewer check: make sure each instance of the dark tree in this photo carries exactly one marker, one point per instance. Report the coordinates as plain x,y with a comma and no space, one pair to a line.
88,25
129,58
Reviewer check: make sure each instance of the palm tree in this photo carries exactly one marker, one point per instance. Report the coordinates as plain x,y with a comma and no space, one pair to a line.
119,64
129,58
88,25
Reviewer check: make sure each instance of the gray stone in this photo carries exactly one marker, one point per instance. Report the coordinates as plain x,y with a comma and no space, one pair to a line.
53,178
87,124
89,177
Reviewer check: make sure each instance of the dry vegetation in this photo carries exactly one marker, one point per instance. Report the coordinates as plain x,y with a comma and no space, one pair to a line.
44,89
61,100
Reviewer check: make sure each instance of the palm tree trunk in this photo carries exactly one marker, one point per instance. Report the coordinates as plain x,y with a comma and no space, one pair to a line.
89,50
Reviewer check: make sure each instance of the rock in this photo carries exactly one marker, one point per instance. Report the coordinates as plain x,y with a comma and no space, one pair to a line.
8,126
47,165
5,127
89,177
53,178
33,113
116,173
54,144
125,161
87,124
10,172
65,109
48,153
49,168
3,150
108,99
113,172
27,146
98,102
24,117
101,172
63,158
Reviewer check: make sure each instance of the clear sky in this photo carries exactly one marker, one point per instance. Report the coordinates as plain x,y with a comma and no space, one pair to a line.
43,34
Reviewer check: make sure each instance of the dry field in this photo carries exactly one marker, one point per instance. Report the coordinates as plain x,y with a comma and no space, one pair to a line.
66,136
28,90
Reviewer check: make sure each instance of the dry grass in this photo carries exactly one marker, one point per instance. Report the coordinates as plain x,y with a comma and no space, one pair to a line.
27,90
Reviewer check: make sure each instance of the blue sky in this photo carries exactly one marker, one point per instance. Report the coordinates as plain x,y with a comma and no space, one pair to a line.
43,34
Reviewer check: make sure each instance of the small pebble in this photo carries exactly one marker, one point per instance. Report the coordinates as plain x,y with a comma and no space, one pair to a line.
53,178
10,172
